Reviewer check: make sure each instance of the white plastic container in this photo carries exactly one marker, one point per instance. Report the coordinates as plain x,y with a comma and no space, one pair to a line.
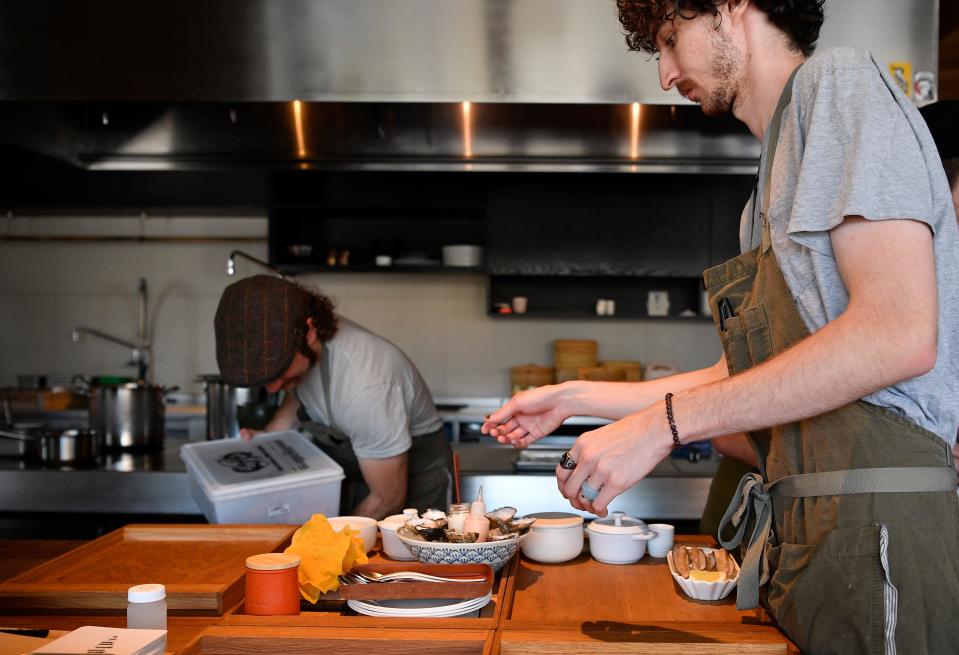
279,477
554,537
618,539
146,607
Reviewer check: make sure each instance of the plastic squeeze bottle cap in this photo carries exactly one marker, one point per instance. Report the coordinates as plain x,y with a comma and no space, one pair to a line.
146,593
478,507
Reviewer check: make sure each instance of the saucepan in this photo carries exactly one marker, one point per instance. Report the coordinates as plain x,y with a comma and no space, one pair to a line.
127,416
55,447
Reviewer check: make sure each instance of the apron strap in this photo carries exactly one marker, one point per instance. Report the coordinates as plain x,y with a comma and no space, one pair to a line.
753,497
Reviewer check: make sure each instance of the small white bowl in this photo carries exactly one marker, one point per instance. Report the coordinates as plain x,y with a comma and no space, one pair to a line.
555,537
700,589
462,255
361,525
392,546
494,553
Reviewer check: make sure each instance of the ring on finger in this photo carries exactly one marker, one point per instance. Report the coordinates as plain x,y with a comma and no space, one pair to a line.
589,492
567,462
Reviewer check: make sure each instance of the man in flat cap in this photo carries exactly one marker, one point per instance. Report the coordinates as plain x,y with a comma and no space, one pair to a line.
360,397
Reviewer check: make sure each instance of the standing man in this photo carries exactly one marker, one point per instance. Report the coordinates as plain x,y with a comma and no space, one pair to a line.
838,325
360,397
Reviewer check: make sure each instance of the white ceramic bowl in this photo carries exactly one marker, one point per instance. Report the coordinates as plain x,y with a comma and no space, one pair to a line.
362,525
700,589
555,537
462,255
494,553
392,546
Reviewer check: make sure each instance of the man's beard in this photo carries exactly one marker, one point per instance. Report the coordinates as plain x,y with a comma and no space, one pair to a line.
724,68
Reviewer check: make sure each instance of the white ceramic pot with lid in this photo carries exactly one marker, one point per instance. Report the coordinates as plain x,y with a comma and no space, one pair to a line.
618,539
554,537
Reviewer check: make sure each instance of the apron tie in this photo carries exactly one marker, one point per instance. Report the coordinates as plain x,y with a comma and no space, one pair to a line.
753,496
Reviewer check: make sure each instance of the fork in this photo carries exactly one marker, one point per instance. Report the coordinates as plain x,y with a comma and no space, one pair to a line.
376,576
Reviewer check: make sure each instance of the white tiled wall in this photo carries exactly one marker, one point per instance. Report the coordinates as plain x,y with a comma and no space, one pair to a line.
47,288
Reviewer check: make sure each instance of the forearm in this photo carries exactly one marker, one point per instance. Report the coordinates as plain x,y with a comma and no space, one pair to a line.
614,400
378,507
851,357
736,446
285,417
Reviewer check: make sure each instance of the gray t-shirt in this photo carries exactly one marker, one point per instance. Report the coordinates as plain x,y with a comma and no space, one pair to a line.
377,397
852,144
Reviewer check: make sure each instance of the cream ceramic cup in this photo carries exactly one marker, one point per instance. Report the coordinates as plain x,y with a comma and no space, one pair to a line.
361,525
662,543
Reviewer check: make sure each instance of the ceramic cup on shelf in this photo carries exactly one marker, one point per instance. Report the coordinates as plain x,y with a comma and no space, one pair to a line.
520,304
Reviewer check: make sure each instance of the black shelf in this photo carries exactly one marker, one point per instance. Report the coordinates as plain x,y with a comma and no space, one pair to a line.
323,268
579,316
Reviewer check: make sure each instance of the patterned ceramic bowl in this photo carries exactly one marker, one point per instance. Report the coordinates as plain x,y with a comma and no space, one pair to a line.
494,553
700,589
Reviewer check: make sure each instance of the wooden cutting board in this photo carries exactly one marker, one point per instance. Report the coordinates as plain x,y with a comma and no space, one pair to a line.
202,566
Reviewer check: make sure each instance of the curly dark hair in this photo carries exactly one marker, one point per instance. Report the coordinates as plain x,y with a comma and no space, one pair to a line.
799,20
320,309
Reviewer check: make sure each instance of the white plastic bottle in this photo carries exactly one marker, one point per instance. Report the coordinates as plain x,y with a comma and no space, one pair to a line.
146,607
476,521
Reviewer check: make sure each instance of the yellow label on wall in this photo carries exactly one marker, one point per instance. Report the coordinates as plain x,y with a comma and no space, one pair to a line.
901,72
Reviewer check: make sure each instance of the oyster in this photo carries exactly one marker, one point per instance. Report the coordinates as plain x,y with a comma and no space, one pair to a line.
499,536
504,514
521,525
461,537
434,515
409,532
432,530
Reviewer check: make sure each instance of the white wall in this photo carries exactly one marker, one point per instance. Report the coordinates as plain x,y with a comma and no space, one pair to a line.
47,288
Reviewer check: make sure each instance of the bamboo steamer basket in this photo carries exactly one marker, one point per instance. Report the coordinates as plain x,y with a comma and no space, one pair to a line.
529,376
602,374
575,353
633,369
566,374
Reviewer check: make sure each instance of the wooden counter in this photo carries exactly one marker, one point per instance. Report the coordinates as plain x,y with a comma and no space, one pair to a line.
582,606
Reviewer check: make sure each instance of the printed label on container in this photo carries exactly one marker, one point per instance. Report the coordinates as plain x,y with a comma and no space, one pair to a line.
278,510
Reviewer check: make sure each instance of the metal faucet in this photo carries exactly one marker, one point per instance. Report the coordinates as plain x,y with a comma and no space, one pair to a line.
142,349
231,263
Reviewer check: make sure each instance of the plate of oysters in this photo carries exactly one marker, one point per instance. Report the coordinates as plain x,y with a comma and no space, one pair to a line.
431,538
703,573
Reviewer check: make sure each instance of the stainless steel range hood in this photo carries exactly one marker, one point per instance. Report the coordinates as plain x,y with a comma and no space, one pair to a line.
377,84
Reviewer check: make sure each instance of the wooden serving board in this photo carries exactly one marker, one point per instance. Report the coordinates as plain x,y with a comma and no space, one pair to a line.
585,606
202,566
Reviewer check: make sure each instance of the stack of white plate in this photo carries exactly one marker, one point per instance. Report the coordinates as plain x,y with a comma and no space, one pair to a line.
419,607
462,255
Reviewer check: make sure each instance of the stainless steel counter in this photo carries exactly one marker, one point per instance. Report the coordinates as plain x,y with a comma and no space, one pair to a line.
157,484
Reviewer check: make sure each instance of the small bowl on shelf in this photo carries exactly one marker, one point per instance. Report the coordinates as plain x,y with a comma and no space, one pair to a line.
300,250
494,553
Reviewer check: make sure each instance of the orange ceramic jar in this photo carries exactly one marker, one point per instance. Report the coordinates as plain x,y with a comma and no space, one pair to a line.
272,586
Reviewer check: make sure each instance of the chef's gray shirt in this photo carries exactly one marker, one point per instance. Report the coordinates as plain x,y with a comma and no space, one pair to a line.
852,144
377,396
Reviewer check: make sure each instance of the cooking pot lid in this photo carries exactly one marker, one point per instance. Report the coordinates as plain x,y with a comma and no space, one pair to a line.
619,523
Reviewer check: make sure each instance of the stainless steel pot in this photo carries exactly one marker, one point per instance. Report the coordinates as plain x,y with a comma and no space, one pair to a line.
222,401
55,447
128,416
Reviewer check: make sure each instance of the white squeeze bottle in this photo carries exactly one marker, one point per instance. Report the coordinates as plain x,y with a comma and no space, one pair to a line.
476,521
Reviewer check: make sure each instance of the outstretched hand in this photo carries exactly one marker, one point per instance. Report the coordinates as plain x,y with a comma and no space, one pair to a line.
528,416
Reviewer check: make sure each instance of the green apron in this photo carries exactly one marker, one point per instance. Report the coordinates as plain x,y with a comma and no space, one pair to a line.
853,524
429,481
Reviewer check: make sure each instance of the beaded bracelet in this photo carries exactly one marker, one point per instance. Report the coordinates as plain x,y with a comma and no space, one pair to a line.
672,421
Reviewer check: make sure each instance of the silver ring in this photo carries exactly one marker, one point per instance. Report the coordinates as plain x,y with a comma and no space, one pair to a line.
588,492
567,462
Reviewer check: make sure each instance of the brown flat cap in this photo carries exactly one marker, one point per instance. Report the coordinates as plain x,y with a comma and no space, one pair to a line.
259,325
